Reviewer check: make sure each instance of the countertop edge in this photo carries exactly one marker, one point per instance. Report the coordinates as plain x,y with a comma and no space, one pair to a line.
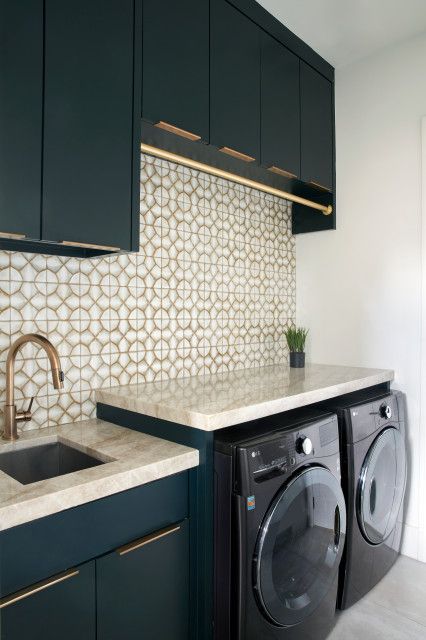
228,418
280,405
49,504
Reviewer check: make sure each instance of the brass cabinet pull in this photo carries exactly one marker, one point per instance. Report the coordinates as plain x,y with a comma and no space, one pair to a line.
282,172
87,245
12,236
152,537
177,130
319,185
237,154
36,588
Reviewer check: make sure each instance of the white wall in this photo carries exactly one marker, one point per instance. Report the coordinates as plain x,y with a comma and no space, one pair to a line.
422,446
359,288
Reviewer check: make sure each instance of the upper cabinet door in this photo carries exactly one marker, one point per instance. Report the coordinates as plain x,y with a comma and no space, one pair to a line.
316,95
280,108
89,150
175,68
21,103
235,82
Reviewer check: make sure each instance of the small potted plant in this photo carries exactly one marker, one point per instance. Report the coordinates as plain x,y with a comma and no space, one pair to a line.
296,338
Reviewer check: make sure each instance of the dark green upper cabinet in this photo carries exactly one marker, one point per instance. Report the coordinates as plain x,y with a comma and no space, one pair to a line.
143,588
175,76
280,108
63,606
21,101
71,100
271,101
317,115
91,114
235,81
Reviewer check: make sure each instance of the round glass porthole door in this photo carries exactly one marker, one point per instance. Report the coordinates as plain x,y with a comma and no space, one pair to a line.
299,546
382,485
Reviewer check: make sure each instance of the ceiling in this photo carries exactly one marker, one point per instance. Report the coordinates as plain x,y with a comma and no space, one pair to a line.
343,31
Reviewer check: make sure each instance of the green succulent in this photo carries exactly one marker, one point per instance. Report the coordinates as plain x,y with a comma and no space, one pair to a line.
296,338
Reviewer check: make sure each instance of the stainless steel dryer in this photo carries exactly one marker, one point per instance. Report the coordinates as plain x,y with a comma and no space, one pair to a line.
280,528
374,468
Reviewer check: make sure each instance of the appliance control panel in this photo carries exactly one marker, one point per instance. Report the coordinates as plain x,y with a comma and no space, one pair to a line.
276,456
281,452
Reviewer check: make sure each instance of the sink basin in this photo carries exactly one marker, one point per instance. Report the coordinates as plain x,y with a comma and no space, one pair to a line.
44,461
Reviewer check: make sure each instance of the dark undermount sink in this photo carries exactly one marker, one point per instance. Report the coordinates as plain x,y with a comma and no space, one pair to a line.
44,461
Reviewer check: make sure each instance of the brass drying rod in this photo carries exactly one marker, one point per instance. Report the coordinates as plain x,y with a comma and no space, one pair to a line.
219,173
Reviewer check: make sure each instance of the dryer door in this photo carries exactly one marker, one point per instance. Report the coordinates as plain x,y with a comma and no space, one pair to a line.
299,546
381,486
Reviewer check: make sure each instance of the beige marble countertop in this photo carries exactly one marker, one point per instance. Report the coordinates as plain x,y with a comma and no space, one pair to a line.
133,459
221,400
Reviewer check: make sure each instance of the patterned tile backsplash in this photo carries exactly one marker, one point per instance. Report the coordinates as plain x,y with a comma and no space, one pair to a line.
211,289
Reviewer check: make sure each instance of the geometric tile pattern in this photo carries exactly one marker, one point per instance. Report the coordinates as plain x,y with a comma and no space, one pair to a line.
212,289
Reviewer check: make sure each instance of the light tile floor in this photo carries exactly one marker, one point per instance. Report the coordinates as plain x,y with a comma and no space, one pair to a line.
394,610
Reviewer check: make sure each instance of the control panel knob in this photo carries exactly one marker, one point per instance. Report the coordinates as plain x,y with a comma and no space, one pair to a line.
386,411
304,445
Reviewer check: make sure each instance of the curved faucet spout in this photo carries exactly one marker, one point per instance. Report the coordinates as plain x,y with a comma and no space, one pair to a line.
11,416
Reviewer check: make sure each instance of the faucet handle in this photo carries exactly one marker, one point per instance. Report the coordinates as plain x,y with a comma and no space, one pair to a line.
30,406
25,416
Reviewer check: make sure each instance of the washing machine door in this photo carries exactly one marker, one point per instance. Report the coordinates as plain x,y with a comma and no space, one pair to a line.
381,486
299,546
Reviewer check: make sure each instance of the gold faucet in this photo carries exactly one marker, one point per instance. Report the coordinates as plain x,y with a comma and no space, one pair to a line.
11,416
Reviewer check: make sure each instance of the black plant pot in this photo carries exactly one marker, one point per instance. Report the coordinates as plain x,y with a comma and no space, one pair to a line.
297,359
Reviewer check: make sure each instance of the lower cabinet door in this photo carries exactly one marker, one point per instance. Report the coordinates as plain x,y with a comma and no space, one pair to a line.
143,588
61,607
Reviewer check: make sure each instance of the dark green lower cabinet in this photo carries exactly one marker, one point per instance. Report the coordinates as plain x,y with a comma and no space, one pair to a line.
118,568
63,606
140,591
143,588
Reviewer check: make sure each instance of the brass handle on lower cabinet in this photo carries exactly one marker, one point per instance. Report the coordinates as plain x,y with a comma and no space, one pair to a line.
282,172
137,544
314,183
237,154
36,588
87,245
171,128
12,236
